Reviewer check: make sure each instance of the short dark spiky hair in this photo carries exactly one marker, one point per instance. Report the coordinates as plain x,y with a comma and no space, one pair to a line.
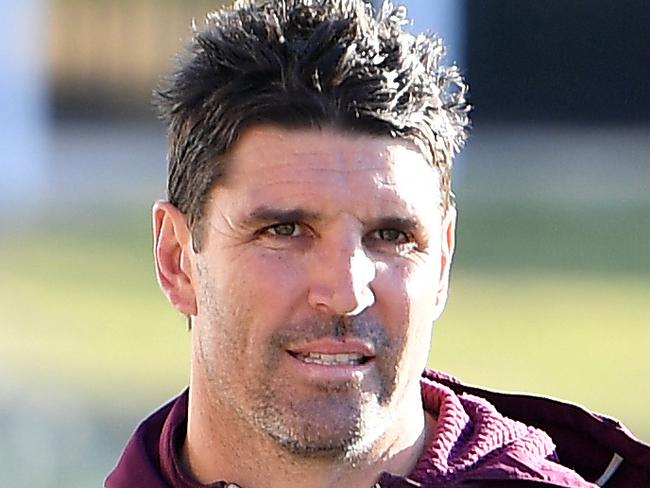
306,63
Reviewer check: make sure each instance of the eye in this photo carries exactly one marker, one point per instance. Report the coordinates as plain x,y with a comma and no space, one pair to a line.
393,236
285,229
392,241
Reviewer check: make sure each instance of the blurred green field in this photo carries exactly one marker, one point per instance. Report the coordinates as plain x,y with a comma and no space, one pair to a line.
545,300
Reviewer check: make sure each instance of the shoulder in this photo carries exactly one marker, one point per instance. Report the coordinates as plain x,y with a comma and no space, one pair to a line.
140,463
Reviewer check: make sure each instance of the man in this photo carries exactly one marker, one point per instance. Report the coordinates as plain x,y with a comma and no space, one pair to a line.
308,236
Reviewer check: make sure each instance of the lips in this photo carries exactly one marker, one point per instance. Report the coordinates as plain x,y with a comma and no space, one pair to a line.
332,359
334,352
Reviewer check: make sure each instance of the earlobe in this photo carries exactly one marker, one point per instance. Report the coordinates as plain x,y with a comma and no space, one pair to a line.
449,229
448,243
172,248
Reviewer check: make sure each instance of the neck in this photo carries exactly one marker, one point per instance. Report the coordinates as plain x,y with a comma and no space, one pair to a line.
220,446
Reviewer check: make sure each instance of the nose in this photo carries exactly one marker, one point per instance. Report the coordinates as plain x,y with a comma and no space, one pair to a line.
341,281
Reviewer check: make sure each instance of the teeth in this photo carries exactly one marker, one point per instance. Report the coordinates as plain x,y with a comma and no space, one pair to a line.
332,359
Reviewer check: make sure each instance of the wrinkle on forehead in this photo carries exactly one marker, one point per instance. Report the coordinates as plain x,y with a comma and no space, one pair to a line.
327,163
266,138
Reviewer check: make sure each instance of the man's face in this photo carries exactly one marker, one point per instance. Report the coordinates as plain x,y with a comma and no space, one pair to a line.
322,269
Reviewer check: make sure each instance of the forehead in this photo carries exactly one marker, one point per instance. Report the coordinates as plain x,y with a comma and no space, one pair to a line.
329,170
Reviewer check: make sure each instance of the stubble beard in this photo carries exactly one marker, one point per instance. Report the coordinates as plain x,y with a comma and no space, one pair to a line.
296,424
270,405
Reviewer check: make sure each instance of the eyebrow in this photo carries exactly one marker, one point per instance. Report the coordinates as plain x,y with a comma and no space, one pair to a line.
265,215
269,215
400,223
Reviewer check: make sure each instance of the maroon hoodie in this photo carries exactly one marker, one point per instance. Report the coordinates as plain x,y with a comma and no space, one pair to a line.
476,443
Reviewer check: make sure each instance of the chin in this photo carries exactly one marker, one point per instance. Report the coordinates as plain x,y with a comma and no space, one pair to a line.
338,430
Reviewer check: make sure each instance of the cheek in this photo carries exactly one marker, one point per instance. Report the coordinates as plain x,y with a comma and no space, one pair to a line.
267,284
243,301
408,292
416,294
406,296
407,311
423,282
422,285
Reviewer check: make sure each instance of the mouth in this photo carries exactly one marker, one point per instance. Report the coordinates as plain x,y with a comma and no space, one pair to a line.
333,357
324,359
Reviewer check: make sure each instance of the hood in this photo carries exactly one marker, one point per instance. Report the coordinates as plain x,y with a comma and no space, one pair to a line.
600,449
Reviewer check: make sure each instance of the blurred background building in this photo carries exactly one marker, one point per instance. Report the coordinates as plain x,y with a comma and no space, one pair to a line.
551,61
78,61
553,193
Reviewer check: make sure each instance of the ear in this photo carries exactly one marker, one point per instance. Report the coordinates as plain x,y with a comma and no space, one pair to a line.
172,245
448,243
